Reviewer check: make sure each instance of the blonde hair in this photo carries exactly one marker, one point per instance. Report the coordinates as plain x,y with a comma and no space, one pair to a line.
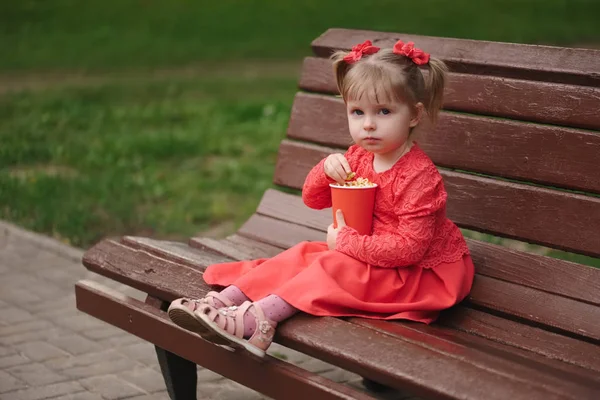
386,77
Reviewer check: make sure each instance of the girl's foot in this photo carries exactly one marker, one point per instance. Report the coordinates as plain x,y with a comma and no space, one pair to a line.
228,325
184,312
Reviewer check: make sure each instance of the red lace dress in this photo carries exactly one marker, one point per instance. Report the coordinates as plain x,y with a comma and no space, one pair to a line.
413,265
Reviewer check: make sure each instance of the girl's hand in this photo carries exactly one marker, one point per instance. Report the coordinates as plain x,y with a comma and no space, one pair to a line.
332,232
337,167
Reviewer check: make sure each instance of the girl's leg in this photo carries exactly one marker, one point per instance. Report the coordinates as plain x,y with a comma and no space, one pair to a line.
274,307
248,326
234,294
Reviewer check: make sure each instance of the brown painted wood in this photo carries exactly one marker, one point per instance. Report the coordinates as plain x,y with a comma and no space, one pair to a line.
543,154
531,270
521,336
201,288
513,299
254,249
537,215
307,333
555,64
559,312
174,251
272,376
148,272
547,344
278,233
428,371
236,247
556,376
544,102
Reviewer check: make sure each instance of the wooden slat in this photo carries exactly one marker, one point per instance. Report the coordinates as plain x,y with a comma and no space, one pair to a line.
376,358
548,344
536,153
535,303
528,338
147,272
174,251
561,378
551,103
530,304
278,233
154,326
548,63
236,247
529,213
532,270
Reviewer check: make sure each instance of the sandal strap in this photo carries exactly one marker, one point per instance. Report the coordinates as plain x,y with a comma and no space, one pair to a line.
218,296
265,329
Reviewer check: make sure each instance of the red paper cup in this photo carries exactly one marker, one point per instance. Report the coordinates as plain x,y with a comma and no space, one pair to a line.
356,202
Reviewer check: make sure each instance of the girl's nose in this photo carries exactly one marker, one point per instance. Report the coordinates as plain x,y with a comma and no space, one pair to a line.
369,124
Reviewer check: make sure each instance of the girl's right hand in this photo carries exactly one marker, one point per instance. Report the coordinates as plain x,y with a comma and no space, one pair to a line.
337,167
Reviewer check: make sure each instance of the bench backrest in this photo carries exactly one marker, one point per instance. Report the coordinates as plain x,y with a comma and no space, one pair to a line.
518,145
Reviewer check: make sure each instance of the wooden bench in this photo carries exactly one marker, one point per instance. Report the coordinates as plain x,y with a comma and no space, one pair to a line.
518,146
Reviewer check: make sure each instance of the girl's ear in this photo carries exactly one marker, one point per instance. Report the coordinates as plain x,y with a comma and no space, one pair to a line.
417,115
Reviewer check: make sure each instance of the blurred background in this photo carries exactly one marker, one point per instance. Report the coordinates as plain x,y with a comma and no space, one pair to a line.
163,117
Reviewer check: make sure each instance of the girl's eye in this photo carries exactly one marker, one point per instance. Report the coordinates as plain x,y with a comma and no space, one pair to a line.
385,111
357,112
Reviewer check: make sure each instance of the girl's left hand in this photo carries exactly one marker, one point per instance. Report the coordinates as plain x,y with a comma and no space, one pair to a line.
333,232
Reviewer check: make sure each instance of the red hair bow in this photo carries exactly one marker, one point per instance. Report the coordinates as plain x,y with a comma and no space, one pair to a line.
418,56
359,50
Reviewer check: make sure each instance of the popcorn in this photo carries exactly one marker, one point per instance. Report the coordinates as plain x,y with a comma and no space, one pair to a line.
358,182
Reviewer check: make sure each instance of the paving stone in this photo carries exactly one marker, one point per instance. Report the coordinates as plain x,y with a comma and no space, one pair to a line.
58,276
156,396
8,383
227,390
140,351
36,374
6,351
110,387
44,392
316,366
145,378
125,339
340,375
35,325
40,351
13,315
101,368
206,375
79,322
33,336
83,360
75,344
12,360
82,396
42,307
103,332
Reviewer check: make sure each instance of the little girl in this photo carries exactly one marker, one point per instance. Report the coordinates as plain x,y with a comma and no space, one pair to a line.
415,262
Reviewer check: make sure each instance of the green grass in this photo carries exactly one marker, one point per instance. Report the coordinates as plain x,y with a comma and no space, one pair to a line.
164,159
105,34
172,158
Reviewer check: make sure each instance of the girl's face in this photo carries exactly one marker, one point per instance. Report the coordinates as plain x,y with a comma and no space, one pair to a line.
382,129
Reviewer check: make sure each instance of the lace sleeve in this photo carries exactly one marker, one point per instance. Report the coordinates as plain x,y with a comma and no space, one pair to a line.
417,209
316,192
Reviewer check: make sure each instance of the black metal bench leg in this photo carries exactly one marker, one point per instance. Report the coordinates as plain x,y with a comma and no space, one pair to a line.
180,375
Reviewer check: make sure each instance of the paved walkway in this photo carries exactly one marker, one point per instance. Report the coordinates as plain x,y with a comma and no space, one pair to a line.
50,350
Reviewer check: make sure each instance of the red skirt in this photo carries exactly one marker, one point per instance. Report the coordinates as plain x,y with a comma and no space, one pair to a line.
325,282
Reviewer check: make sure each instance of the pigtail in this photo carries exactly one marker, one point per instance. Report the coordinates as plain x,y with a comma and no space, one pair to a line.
434,87
340,68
